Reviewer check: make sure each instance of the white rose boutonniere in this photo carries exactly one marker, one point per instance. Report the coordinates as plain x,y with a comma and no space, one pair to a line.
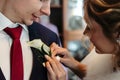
42,47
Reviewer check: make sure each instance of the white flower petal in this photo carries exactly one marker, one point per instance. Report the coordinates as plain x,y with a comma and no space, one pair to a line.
36,43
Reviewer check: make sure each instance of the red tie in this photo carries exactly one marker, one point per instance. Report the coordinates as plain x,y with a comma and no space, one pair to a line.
16,53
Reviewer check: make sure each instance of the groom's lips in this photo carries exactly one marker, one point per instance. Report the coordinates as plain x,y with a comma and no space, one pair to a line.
35,17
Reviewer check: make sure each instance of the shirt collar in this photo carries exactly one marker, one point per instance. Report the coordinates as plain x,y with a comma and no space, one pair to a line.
5,22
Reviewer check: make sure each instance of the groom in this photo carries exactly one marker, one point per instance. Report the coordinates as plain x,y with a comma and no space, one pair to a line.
23,13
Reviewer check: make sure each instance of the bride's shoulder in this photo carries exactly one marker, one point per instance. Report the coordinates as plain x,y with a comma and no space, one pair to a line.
110,76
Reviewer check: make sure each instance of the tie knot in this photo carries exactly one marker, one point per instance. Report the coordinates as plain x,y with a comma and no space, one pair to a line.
14,33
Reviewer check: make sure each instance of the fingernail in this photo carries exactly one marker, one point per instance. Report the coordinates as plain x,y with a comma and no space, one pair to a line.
46,56
43,64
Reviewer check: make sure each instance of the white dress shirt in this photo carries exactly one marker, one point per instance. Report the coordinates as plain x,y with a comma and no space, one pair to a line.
5,45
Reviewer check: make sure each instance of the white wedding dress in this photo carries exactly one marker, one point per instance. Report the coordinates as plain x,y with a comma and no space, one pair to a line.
100,67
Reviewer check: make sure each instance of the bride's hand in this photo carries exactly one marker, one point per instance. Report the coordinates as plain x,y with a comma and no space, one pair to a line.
55,69
78,68
66,58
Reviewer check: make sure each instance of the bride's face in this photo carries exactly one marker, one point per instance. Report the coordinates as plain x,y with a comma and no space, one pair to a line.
99,40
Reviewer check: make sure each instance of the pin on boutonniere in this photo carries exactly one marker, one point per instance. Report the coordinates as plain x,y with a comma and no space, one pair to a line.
42,47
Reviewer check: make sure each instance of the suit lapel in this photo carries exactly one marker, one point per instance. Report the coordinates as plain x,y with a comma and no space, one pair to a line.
37,31
34,35
38,71
2,77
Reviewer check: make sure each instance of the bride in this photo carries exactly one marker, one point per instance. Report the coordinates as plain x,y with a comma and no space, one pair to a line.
103,29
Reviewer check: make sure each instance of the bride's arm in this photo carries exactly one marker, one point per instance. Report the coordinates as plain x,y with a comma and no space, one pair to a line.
78,68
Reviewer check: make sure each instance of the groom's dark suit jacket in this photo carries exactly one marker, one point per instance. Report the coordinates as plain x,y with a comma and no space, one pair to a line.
38,31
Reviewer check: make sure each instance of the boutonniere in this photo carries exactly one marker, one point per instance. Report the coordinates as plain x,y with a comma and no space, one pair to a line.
42,47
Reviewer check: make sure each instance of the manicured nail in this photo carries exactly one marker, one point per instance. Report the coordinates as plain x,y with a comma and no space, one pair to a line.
43,64
46,56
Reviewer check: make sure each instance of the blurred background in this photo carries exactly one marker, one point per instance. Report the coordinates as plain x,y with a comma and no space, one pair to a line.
66,20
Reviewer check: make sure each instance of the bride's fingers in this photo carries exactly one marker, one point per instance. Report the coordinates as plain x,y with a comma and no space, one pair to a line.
52,64
47,65
50,73
59,65
59,51
62,72
54,45
55,68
